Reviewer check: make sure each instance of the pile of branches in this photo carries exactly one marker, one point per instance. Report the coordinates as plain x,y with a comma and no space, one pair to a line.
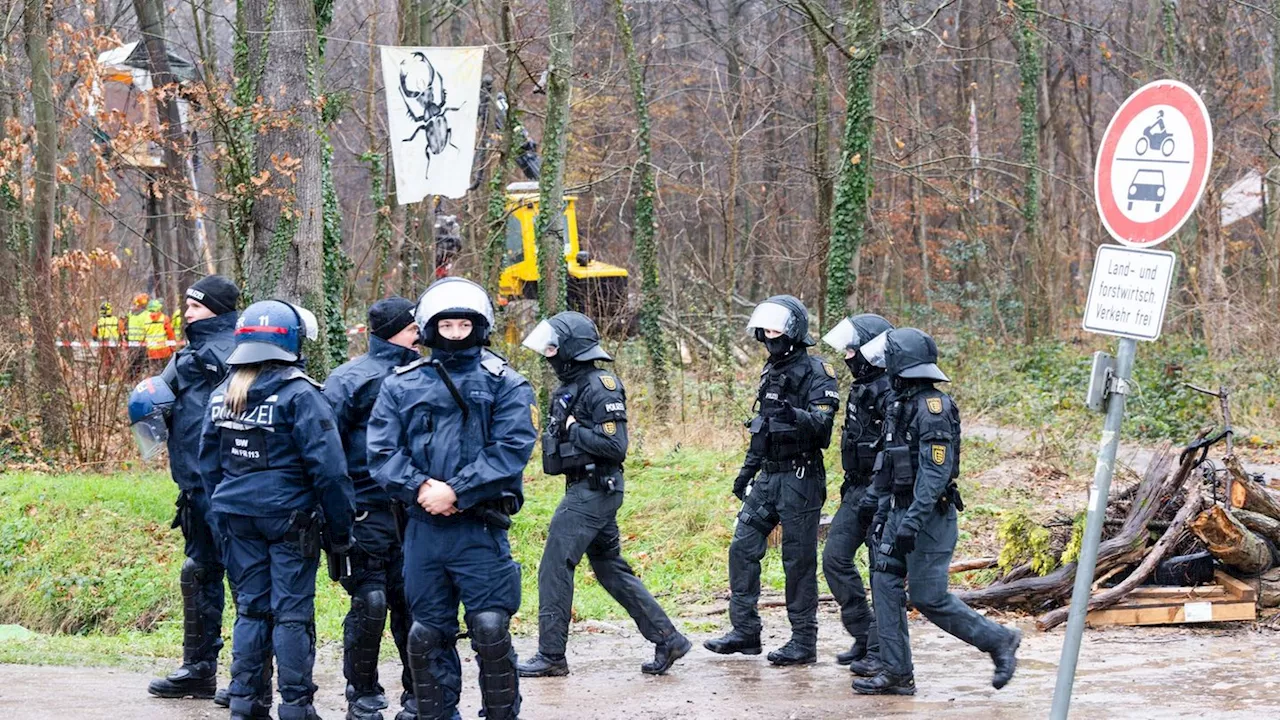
1179,506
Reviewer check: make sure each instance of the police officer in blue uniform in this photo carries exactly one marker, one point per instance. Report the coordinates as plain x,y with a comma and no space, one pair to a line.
859,443
373,573
586,441
191,376
449,437
782,481
271,461
915,524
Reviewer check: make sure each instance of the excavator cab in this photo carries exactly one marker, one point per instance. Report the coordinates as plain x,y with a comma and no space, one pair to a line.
597,289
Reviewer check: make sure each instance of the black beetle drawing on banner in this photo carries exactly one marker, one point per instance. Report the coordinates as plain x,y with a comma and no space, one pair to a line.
423,91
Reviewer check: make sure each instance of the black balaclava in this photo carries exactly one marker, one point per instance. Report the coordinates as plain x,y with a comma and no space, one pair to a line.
859,366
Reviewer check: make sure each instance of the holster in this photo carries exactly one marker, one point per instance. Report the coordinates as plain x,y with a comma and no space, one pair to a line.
951,496
182,516
307,528
340,565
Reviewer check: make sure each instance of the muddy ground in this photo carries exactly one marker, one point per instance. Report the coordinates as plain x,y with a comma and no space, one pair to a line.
1223,672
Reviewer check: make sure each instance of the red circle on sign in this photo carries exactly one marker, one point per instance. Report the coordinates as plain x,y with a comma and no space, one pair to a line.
1186,101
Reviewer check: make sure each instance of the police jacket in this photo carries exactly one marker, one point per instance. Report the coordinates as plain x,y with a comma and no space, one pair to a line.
418,431
594,447
922,452
281,454
352,389
192,374
808,385
863,426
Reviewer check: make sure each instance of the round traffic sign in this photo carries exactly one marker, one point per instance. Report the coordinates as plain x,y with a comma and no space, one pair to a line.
1153,164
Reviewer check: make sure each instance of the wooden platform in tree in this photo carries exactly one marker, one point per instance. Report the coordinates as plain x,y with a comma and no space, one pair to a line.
1229,599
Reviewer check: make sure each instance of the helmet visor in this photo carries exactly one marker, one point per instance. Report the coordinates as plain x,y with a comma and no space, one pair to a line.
542,337
310,327
843,336
874,350
772,316
151,433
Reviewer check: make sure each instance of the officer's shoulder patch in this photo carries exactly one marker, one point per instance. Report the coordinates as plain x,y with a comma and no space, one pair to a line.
536,416
830,369
412,366
608,381
934,404
610,428
939,454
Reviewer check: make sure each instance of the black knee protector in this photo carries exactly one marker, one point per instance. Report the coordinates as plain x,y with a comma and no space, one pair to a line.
499,685
191,580
370,609
423,642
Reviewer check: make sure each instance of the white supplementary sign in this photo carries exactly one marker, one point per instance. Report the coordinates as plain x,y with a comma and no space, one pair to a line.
1129,292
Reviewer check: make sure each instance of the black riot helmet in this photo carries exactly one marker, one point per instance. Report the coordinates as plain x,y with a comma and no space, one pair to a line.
853,332
784,314
912,354
572,334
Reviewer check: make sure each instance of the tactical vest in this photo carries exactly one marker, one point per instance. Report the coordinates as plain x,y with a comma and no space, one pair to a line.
899,464
772,438
863,426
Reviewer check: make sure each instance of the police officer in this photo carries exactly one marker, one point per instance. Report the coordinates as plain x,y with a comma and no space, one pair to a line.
916,523
272,463
376,579
449,437
859,443
586,441
795,405
191,376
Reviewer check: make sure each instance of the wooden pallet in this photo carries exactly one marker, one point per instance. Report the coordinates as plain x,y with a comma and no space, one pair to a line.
1230,599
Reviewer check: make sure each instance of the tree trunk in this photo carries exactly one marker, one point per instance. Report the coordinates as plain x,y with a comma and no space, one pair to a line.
1231,542
853,184
496,213
1267,527
646,224
549,224
1250,495
285,254
824,189
176,146
52,396
1031,70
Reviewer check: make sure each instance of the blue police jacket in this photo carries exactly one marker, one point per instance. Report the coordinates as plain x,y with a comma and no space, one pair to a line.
351,390
417,430
281,454
192,374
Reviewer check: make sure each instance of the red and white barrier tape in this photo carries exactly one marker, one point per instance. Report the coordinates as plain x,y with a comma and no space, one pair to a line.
358,329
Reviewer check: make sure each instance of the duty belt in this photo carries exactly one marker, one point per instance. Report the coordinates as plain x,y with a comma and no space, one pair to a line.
797,463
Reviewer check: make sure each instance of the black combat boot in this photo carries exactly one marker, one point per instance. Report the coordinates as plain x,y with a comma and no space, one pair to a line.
867,667
885,684
543,666
856,651
666,654
1006,659
196,680
221,698
795,652
734,641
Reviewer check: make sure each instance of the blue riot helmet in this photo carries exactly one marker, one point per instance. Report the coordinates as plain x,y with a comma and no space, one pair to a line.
272,330
454,297
911,353
149,406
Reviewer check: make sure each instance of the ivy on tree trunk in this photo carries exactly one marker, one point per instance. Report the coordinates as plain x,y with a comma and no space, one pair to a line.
1030,70
549,225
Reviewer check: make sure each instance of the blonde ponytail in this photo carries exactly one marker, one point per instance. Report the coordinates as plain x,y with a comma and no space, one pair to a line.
242,378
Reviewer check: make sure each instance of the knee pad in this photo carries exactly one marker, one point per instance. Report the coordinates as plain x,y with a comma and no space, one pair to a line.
425,641
192,576
372,604
490,633
424,638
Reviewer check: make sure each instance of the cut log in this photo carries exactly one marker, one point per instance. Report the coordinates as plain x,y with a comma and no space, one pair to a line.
975,564
1267,527
1267,586
1250,495
1231,542
1127,545
1163,546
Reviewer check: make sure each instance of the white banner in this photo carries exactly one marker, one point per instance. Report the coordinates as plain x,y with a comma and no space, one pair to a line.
433,95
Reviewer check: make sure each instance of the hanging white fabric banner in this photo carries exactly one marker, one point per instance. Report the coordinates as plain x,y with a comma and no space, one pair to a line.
433,95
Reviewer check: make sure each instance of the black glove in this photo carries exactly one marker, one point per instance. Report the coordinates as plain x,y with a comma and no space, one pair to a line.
784,412
741,483
904,541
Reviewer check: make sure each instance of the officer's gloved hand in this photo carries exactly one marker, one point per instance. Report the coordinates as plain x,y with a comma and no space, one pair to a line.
784,412
904,542
741,483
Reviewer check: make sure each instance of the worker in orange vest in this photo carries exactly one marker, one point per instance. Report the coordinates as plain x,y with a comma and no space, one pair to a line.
159,335
137,335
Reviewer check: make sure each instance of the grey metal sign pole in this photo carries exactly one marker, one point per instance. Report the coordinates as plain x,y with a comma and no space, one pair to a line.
1118,389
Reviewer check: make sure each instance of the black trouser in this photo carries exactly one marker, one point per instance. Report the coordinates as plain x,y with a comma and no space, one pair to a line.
793,498
844,537
376,586
586,522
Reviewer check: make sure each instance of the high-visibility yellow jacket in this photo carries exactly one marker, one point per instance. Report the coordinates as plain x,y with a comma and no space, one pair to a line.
158,334
109,328
138,325
177,324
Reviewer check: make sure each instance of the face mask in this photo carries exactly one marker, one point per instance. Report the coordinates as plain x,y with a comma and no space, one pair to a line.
779,346
859,366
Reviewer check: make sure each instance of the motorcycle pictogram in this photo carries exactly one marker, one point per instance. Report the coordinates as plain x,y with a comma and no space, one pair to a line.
1155,136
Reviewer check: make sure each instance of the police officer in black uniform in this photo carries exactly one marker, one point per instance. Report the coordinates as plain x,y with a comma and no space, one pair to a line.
373,574
796,406
915,525
586,441
859,443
